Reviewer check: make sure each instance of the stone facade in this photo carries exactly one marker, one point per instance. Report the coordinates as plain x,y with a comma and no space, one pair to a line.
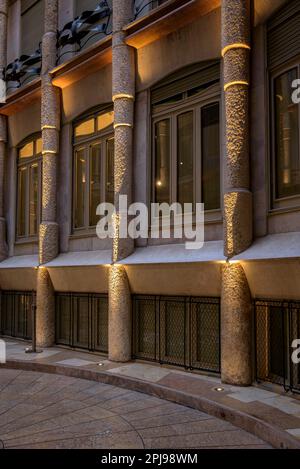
121,73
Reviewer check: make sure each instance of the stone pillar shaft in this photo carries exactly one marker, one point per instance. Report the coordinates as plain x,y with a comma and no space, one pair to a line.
123,84
236,55
3,127
236,326
236,335
50,123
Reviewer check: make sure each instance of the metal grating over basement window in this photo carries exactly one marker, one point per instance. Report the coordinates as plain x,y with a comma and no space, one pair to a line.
180,331
82,321
277,325
16,314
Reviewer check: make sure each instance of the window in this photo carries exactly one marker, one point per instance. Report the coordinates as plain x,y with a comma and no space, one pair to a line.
286,155
32,25
186,132
93,167
29,188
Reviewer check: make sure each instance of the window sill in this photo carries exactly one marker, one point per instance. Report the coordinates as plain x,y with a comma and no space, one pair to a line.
282,210
21,241
83,234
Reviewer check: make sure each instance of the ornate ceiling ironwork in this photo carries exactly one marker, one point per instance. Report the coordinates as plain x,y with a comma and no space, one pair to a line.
22,69
84,27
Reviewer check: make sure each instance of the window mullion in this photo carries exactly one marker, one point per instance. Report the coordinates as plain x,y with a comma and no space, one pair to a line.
199,155
174,161
103,169
27,206
87,186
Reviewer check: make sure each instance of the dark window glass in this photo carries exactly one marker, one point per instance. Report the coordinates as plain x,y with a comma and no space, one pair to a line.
33,199
95,182
109,197
210,156
22,184
80,181
162,161
287,167
32,26
185,186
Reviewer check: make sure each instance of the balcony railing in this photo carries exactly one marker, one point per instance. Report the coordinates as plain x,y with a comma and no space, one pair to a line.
83,30
22,70
142,7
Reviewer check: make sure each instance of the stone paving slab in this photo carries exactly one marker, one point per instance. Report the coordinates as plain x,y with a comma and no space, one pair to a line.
267,412
70,423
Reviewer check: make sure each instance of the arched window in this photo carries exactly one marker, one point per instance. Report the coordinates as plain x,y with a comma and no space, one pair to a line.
93,175
186,137
29,187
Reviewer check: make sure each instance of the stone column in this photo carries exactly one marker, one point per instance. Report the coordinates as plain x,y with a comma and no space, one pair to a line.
236,359
50,123
3,127
120,322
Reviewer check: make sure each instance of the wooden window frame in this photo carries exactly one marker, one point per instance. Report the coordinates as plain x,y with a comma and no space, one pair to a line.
86,143
26,165
193,103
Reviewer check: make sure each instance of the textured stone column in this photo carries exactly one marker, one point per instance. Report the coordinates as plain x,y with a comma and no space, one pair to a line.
236,322
236,53
3,127
236,357
123,98
50,122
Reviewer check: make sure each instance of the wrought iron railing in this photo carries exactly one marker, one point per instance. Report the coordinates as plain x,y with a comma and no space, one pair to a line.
82,321
16,314
277,325
142,7
23,69
84,28
181,331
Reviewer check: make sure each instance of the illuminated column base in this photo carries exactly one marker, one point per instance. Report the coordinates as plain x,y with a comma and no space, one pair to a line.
120,317
237,221
236,327
45,314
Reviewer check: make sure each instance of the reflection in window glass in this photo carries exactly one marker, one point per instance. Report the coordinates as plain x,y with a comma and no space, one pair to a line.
33,199
109,196
105,120
95,182
22,176
86,128
210,156
162,161
185,158
26,151
80,177
39,146
287,137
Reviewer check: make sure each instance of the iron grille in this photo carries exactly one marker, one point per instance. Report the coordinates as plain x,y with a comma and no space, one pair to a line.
16,314
277,325
181,331
82,321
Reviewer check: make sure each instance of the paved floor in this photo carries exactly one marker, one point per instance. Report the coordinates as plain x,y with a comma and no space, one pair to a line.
270,404
39,410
